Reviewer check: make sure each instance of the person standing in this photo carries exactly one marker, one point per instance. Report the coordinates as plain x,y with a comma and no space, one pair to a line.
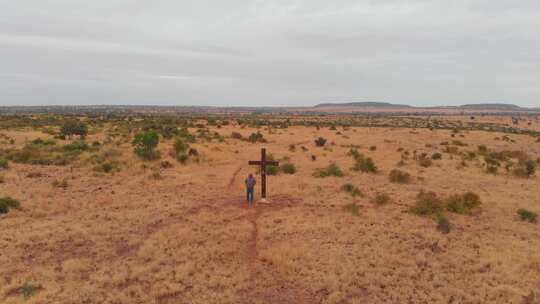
250,188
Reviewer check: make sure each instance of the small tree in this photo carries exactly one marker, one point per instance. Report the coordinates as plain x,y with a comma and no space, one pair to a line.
74,127
530,167
180,146
145,143
320,142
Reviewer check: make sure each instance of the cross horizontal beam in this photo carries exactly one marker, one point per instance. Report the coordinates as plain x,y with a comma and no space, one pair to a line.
260,163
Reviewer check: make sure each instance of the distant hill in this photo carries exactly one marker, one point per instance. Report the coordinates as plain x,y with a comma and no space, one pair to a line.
371,104
492,106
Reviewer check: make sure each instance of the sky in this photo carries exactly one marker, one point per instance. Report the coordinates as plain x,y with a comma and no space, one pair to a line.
269,52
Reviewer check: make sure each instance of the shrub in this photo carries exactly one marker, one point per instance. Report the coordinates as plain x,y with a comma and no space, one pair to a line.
462,204
288,168
236,135
4,164
381,199
292,147
180,146
186,136
60,184
76,146
424,161
271,169
28,290
166,164
451,150
182,158
355,154
427,203
527,215
459,143
144,145
373,148
352,190
332,170
193,152
7,203
353,208
482,149
366,165
320,142
436,156
529,168
443,224
399,177
39,141
71,128
256,137
106,167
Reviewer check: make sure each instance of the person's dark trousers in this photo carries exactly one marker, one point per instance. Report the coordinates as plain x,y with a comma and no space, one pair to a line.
250,195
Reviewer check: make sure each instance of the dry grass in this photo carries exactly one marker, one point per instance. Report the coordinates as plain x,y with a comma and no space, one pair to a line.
189,237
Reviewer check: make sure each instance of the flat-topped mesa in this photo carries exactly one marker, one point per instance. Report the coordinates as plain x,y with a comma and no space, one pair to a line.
370,104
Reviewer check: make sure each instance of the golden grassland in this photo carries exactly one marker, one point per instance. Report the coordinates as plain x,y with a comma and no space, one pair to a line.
147,234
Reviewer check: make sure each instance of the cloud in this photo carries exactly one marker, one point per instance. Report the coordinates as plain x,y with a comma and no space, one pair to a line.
294,52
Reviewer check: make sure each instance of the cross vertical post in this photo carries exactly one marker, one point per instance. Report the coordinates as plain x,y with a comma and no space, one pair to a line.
263,173
263,163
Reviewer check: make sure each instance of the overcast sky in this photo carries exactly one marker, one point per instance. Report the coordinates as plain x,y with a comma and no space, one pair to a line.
266,52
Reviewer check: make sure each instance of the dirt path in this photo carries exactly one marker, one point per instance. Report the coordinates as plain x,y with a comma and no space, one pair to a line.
267,284
233,177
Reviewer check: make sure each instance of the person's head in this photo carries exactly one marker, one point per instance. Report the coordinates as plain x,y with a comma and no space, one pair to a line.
250,175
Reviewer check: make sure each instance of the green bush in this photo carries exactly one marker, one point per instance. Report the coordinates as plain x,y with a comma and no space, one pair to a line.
288,168
71,128
424,161
7,203
352,190
166,164
381,199
4,164
427,203
525,169
366,165
443,224
182,158
193,152
76,146
106,167
60,184
527,215
399,177
144,145
355,154
462,204
320,142
270,169
180,146
332,170
352,208
28,290
236,135
256,137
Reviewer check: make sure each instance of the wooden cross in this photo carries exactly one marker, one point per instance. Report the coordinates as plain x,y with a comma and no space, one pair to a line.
263,163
